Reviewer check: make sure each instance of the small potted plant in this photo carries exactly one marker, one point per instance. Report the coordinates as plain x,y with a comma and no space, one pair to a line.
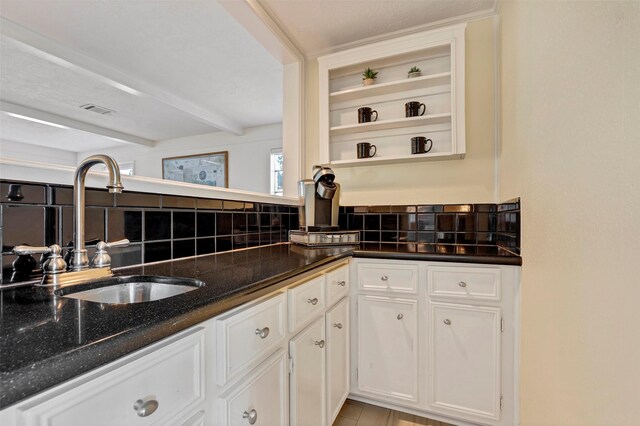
414,72
369,76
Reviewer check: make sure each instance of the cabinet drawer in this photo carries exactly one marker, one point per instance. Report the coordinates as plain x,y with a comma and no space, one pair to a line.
305,302
261,395
398,278
337,282
464,282
244,339
172,376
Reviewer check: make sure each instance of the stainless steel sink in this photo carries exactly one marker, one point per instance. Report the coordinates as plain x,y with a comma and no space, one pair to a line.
133,289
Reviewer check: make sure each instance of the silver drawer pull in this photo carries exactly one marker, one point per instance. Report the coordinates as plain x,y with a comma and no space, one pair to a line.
462,284
146,408
447,321
338,326
262,332
251,416
313,301
400,316
319,343
384,278
342,283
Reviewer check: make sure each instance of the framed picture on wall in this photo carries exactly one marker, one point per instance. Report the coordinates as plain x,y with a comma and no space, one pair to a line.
205,169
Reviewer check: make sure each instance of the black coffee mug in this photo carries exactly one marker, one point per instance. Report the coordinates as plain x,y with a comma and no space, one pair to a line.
364,150
419,143
365,113
412,109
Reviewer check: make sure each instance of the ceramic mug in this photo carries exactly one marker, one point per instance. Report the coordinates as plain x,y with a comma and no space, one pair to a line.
419,145
364,150
412,109
365,115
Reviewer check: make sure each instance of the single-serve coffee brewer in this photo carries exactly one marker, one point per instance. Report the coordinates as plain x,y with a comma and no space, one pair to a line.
319,198
318,212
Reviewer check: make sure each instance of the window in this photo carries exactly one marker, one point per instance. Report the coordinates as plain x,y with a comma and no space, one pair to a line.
277,160
126,167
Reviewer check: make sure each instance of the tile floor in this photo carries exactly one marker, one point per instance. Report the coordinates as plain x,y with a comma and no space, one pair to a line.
354,413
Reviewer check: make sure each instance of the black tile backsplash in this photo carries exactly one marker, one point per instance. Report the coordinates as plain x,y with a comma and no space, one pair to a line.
206,226
184,224
157,225
160,227
122,223
456,228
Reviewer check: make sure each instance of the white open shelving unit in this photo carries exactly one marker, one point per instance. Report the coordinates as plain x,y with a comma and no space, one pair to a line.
439,54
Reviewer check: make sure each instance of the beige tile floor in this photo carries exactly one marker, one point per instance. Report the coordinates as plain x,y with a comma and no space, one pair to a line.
354,413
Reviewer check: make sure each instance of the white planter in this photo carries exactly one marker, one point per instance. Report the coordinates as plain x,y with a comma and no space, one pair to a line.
368,81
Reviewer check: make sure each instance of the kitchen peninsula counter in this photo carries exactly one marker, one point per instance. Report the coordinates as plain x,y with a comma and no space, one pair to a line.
46,340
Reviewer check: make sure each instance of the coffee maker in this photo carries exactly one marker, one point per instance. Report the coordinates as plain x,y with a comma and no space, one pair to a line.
319,199
318,211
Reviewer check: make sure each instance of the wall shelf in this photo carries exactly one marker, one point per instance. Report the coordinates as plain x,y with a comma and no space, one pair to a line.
439,54
391,124
391,87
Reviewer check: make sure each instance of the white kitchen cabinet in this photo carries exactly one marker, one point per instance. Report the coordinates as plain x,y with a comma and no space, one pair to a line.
305,301
464,367
440,55
307,380
337,281
337,341
457,359
387,333
259,398
151,390
247,337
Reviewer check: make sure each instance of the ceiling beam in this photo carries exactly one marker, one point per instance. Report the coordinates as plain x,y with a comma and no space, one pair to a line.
11,108
62,55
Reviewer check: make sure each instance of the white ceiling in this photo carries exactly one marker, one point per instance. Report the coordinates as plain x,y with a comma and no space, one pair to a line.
319,25
193,67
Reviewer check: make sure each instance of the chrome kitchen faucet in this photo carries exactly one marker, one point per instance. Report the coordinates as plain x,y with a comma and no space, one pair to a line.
55,268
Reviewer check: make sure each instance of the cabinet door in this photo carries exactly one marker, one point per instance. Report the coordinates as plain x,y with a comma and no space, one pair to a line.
465,359
388,347
259,398
307,383
150,390
337,326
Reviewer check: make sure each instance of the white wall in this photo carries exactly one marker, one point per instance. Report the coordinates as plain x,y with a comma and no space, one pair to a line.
454,181
249,154
24,151
570,148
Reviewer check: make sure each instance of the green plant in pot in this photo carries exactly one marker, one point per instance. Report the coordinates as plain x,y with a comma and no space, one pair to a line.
414,72
369,77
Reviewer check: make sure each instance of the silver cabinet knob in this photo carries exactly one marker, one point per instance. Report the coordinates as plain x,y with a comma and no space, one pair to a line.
251,416
319,343
338,326
146,408
384,278
342,283
447,321
400,316
462,284
313,301
262,332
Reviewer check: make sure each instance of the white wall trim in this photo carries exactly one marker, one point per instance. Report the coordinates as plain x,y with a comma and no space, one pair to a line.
31,171
470,17
497,110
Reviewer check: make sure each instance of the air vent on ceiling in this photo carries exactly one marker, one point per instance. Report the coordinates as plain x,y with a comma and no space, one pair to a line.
97,109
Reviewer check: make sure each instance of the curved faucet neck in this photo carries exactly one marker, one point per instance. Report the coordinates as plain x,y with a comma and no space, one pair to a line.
79,258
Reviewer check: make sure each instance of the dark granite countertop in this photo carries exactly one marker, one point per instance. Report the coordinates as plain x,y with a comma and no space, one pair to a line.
46,340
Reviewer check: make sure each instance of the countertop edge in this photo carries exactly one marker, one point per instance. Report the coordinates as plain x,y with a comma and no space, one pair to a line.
435,257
